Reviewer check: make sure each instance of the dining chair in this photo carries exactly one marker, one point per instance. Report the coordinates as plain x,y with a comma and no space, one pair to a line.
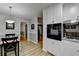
10,44
9,35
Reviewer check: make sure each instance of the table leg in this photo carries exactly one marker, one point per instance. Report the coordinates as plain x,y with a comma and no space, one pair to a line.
18,48
1,51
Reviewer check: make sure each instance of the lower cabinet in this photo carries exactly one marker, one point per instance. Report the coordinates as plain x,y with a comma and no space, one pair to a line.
70,48
62,48
54,47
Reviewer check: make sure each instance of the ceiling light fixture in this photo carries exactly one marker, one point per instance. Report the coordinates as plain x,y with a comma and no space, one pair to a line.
10,21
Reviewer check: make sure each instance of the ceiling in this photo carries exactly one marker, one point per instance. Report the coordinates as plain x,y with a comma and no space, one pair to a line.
24,10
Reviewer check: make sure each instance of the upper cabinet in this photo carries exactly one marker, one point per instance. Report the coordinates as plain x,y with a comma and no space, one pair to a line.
54,14
70,11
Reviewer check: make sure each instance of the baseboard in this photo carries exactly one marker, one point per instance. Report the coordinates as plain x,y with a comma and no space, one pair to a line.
44,50
50,53
33,41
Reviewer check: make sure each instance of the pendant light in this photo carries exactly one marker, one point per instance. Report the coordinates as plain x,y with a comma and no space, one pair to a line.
10,21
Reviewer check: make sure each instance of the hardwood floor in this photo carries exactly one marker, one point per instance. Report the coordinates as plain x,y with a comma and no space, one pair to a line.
23,38
40,41
31,49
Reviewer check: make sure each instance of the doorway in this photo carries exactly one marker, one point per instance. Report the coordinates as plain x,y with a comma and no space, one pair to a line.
40,34
23,32
40,31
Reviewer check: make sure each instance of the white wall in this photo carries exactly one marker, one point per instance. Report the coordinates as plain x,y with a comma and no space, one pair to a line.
54,14
33,33
3,30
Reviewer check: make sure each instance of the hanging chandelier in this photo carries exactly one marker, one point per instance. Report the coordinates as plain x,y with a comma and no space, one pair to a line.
10,21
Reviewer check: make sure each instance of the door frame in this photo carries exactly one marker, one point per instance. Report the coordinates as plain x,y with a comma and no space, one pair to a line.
26,34
27,29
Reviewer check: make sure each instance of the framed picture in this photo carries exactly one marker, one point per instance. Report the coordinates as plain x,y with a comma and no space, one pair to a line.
32,26
10,25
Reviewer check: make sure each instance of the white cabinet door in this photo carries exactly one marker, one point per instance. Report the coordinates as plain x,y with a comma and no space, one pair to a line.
54,46
70,49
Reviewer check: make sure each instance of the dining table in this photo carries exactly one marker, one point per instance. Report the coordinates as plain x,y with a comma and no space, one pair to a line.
1,43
